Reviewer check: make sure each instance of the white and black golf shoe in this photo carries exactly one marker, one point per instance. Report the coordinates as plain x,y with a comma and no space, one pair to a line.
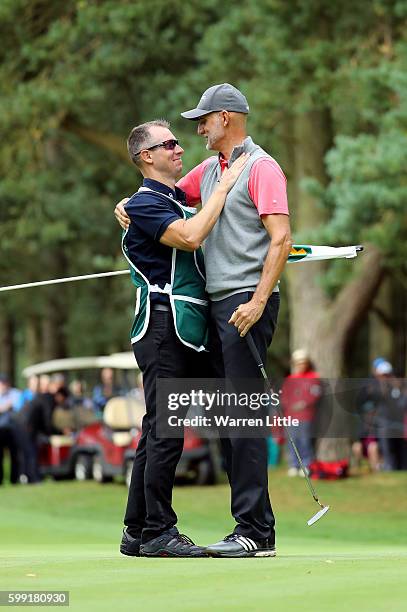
236,545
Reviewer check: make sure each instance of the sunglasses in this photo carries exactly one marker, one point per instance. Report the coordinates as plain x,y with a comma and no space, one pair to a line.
168,145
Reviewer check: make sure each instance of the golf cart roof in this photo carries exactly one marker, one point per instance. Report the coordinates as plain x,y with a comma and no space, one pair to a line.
119,361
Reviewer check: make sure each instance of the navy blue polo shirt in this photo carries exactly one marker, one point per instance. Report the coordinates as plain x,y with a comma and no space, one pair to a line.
150,215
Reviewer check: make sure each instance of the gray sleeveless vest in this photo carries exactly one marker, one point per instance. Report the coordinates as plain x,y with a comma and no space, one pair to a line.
236,248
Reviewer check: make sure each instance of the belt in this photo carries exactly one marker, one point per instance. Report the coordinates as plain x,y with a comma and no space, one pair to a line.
161,307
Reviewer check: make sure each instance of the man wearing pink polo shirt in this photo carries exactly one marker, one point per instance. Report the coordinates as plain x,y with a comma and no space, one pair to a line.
245,254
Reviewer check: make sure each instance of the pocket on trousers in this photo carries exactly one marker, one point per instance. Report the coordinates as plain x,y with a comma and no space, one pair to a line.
146,349
159,326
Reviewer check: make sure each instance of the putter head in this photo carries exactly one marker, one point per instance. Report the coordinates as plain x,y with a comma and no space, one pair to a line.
317,516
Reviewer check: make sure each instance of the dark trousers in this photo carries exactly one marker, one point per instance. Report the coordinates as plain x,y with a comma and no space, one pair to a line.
8,440
245,459
159,354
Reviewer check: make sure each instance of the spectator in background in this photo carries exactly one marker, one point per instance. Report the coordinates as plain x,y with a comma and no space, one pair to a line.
368,446
28,394
39,409
138,391
102,393
21,436
81,408
368,405
38,416
390,396
77,397
300,393
43,384
36,419
57,382
8,441
9,398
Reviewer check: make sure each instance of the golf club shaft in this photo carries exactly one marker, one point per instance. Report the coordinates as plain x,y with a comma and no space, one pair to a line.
298,253
67,279
257,358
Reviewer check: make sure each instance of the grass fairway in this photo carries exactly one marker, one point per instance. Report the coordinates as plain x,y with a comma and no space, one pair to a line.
65,536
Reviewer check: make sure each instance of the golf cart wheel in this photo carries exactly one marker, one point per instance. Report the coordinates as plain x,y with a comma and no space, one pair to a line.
128,469
98,472
83,467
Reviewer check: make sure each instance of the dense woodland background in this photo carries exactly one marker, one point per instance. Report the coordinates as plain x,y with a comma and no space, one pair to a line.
327,86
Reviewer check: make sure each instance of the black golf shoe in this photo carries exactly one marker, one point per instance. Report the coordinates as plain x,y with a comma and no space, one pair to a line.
171,543
236,545
130,546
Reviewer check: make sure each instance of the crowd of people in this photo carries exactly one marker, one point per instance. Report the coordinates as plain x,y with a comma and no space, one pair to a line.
381,438
383,407
37,410
378,405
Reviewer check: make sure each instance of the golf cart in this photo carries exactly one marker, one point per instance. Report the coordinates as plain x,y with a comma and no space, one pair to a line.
66,455
107,449
102,447
197,464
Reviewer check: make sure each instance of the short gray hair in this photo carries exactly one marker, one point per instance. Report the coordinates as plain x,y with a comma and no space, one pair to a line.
140,138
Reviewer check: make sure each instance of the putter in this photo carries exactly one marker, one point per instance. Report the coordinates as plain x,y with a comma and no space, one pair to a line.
257,358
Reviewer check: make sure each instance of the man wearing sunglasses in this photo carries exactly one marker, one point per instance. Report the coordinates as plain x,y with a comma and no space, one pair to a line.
244,257
169,333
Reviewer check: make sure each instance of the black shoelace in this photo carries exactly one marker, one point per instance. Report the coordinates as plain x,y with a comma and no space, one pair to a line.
231,537
184,539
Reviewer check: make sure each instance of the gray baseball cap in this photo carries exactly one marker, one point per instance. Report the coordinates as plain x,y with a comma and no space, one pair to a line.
218,98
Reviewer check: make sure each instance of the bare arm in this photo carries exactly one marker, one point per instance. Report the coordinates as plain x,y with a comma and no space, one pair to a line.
121,216
188,235
278,228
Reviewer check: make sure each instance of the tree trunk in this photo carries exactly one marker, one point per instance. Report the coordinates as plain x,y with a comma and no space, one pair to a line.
33,335
53,330
381,326
54,345
349,309
399,348
7,346
308,303
322,326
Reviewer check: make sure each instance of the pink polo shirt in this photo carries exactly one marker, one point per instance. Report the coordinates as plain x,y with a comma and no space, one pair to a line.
267,185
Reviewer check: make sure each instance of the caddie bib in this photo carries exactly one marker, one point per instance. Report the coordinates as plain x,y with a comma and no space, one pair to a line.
186,291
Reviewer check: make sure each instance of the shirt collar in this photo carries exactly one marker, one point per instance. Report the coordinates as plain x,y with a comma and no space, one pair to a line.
245,147
176,194
223,162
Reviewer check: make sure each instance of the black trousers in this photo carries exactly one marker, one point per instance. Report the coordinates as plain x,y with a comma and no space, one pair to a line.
8,440
245,459
159,354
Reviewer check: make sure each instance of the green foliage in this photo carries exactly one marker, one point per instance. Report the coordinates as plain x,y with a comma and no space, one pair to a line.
349,61
106,65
